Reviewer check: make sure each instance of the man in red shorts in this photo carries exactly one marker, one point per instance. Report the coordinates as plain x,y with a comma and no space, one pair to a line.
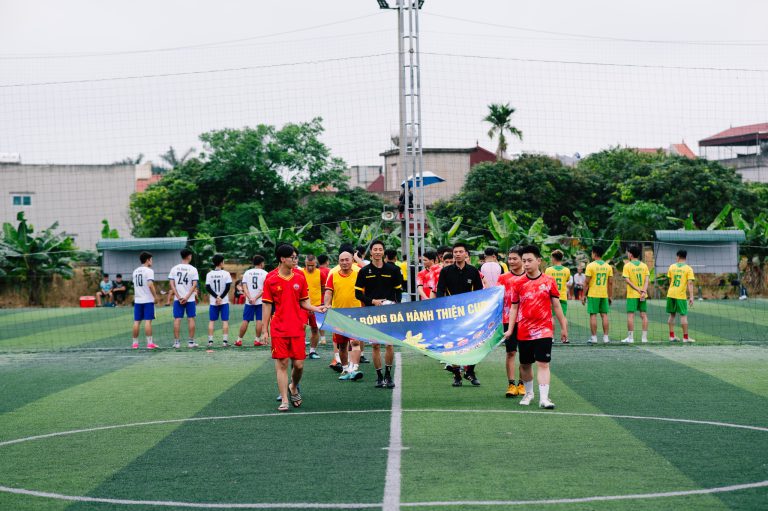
340,293
534,299
286,291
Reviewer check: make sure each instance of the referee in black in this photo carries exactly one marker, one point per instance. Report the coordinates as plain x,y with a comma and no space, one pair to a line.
380,283
455,279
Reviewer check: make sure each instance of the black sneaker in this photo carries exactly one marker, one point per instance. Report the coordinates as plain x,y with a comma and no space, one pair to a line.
474,381
379,383
364,360
457,381
357,376
337,367
210,344
388,383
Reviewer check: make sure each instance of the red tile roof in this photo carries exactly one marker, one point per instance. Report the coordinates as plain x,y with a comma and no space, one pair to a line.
740,135
142,184
683,150
378,185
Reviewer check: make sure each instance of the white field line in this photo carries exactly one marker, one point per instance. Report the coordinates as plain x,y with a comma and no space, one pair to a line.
392,481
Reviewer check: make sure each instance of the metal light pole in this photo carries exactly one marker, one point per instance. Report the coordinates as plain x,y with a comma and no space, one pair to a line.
410,159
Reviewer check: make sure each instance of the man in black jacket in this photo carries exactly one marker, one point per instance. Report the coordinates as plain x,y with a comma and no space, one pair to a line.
460,277
380,283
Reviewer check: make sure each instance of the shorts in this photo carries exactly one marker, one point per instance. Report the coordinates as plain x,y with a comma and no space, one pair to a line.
312,320
214,311
340,339
597,305
179,310
251,312
511,342
143,311
637,305
535,350
677,306
288,347
564,306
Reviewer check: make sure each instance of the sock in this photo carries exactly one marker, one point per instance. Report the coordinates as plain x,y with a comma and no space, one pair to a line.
671,334
239,338
645,335
149,340
176,340
210,338
225,337
685,336
135,340
311,350
605,338
594,338
354,367
337,358
191,341
511,382
630,335
379,375
543,392
387,371
528,387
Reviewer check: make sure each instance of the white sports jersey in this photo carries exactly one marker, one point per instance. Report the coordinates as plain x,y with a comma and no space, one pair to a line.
185,275
218,280
491,271
254,279
142,276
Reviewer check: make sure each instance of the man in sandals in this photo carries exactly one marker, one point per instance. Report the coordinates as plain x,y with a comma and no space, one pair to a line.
286,291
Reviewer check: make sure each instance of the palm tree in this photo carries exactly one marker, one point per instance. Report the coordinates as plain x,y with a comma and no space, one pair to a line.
499,118
174,161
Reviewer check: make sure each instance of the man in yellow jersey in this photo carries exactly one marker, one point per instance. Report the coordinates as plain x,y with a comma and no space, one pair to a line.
340,293
316,289
390,256
636,275
598,291
680,280
561,274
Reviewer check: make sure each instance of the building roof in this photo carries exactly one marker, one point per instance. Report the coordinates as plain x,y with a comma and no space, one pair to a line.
438,150
133,244
724,236
683,150
143,184
749,135
377,185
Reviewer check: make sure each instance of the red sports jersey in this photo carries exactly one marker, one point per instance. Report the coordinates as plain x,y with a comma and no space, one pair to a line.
534,313
424,279
506,280
324,275
285,294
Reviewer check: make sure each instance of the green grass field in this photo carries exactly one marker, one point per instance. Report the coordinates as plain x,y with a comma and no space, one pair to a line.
173,430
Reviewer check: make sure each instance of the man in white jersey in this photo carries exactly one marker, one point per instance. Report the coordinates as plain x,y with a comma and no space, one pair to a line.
184,278
253,288
217,283
144,300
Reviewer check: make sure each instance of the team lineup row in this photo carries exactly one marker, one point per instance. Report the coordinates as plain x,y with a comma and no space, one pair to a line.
282,299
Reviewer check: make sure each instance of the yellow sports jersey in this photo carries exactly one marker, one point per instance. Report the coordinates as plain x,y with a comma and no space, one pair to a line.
636,272
561,274
314,282
679,274
343,289
598,273
504,266
403,269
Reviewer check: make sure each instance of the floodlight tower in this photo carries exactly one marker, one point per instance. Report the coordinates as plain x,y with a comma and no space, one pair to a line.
410,144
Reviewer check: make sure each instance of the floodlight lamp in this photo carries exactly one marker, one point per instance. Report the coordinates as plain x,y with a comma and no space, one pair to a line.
383,4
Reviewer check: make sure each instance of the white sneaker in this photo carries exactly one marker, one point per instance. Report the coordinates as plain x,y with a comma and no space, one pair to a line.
546,403
591,341
606,340
644,340
192,345
177,344
674,339
627,340
526,399
688,340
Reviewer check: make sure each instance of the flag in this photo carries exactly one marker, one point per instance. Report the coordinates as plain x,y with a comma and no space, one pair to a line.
459,329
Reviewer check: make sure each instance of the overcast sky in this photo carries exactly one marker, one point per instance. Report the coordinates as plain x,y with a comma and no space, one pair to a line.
93,82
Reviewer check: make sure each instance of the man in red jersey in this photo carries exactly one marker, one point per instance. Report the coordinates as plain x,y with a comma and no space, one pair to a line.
534,299
286,291
515,262
424,279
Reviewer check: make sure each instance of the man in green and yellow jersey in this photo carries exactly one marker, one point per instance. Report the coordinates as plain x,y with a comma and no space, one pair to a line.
562,275
598,291
636,275
680,295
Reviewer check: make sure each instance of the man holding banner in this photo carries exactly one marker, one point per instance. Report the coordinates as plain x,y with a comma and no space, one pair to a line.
380,283
458,278
534,299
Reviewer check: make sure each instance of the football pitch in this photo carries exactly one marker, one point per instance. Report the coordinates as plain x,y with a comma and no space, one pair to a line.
86,424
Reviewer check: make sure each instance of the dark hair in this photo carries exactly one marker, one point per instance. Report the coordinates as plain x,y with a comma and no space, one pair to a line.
448,253
490,251
390,253
322,259
682,254
310,257
598,250
144,257
557,255
443,249
257,259
517,249
531,249
431,255
634,250
185,252
460,244
217,259
119,276
284,250
347,247
374,243
105,275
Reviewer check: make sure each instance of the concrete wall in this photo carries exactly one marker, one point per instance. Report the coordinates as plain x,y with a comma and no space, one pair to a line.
451,166
752,168
361,176
76,196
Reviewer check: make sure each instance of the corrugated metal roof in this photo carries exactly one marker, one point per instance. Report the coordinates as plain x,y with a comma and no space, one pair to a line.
723,236
141,244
